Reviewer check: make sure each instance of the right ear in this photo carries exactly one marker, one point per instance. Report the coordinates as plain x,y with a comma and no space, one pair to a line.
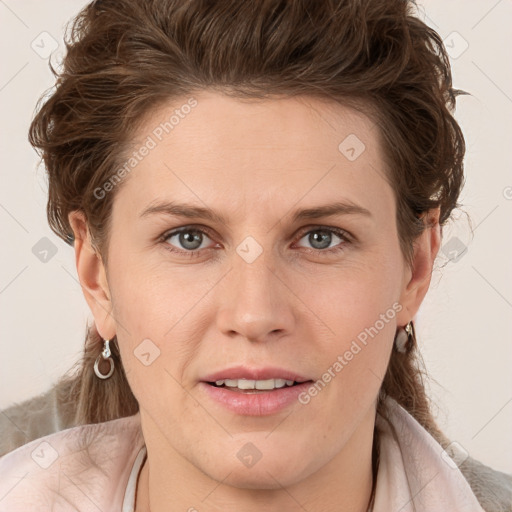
92,276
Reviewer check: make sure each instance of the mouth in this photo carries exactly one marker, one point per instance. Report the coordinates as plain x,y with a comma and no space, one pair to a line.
254,391
250,386
255,397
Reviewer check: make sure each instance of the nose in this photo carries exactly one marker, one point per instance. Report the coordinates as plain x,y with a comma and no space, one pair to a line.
255,302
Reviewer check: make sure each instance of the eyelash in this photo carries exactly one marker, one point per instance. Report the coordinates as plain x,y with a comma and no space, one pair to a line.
345,237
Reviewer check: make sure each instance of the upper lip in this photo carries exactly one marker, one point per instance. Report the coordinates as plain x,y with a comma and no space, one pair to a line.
264,373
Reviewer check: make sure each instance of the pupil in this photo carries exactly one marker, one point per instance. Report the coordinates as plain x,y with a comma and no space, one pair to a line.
314,239
190,242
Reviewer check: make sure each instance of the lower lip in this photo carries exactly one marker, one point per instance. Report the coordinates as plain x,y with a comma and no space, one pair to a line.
256,404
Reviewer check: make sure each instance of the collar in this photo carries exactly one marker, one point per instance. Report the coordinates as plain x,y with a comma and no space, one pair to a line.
415,474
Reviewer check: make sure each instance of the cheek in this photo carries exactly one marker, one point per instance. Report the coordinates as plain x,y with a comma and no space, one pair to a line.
355,294
153,298
355,311
158,310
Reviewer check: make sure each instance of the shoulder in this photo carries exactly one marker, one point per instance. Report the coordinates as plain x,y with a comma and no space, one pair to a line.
492,488
36,417
82,468
455,475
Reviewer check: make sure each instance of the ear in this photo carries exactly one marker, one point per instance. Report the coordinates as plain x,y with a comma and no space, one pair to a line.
92,275
417,278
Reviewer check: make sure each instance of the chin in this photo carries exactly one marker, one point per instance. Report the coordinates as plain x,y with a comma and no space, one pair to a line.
263,478
266,472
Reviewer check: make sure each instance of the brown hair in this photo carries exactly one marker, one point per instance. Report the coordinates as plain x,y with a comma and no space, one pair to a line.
126,57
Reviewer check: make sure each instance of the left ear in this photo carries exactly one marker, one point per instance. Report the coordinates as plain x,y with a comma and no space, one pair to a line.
417,278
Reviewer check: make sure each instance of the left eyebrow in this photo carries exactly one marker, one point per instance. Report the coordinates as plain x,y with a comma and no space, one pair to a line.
192,211
330,210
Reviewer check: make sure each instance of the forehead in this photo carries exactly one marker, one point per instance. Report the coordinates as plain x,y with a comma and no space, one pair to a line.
252,155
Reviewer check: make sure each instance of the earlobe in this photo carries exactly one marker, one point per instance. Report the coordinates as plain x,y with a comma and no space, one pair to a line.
92,276
426,247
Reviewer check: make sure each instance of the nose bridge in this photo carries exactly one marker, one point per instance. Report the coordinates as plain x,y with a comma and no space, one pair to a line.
254,302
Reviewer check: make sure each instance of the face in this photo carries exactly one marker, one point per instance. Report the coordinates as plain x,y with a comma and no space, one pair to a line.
257,291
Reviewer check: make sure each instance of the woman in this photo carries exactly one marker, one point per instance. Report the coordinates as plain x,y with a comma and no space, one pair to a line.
255,193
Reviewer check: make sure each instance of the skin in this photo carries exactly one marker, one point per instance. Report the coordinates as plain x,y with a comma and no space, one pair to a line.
294,306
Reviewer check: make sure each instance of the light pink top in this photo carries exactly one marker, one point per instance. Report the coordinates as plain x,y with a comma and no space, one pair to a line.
56,473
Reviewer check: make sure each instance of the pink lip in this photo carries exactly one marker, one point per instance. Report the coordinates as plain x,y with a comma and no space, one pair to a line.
254,402
243,372
262,403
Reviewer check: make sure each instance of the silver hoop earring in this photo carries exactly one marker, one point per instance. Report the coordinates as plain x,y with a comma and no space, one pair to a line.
404,338
105,354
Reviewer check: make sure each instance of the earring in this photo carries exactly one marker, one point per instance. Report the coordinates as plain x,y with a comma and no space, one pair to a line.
405,338
106,355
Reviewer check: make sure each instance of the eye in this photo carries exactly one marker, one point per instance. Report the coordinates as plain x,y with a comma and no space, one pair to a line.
321,238
188,240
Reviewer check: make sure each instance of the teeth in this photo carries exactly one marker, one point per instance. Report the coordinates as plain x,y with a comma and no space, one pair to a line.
254,384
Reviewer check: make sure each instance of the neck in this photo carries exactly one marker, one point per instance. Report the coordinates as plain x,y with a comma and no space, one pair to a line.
345,484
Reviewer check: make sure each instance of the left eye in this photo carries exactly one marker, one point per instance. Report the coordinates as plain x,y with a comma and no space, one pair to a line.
325,238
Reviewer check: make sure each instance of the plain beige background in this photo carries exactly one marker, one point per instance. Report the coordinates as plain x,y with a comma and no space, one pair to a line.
464,325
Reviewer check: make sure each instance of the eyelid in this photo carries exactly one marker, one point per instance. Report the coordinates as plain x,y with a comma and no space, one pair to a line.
322,227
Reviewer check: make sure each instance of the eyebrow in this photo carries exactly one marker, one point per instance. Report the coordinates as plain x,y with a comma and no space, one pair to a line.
176,209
